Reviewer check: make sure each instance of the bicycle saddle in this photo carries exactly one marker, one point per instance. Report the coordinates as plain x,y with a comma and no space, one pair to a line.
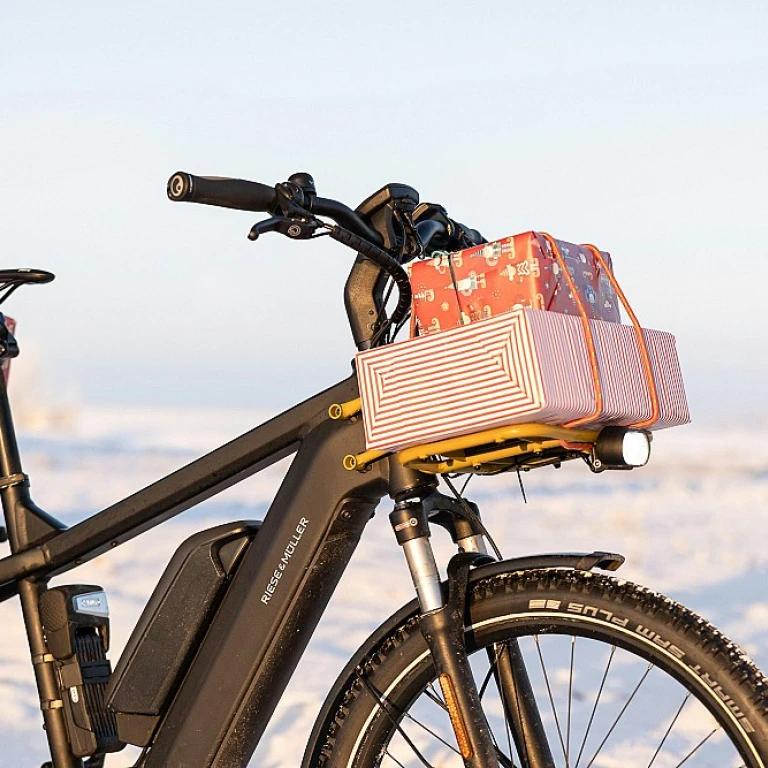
11,279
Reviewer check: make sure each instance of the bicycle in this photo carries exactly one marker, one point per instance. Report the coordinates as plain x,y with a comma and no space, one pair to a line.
534,662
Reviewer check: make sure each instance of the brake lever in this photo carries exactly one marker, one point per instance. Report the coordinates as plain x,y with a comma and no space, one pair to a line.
296,229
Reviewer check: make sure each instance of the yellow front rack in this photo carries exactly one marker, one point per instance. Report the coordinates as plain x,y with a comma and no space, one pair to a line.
491,451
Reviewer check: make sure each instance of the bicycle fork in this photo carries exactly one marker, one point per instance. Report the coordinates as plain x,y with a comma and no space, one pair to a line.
441,622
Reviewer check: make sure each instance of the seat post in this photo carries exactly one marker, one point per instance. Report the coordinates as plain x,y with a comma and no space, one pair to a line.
26,522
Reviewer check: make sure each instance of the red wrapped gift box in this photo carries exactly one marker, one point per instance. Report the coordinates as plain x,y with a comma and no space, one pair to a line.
522,366
455,289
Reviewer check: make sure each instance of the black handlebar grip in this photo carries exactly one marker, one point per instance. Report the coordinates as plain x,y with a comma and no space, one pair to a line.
390,265
226,193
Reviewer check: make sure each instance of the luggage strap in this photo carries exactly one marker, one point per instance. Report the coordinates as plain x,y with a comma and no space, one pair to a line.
591,349
650,379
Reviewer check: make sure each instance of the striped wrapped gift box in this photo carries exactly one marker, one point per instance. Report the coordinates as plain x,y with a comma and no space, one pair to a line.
527,365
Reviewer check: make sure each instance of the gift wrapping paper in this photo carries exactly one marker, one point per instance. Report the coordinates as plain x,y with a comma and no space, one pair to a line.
451,290
526,365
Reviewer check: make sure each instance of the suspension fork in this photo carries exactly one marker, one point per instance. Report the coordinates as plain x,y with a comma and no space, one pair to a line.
517,698
442,624
519,704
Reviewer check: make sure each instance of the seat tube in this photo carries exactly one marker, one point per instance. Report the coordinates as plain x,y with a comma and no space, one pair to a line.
13,490
11,475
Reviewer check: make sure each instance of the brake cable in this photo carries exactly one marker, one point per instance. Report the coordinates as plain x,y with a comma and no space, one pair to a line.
382,259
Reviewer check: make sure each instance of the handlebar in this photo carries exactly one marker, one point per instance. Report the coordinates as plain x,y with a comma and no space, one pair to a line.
346,217
252,196
293,206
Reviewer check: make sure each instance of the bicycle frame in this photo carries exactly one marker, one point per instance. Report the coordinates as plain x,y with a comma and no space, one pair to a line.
263,624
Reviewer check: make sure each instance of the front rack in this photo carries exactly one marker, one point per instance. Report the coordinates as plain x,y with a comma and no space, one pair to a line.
519,446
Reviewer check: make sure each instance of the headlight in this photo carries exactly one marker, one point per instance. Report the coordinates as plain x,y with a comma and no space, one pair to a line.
621,448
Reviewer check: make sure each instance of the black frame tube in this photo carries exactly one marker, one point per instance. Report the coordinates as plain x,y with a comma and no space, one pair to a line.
23,521
273,605
188,486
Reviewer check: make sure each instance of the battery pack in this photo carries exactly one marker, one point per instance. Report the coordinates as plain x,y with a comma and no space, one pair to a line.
171,627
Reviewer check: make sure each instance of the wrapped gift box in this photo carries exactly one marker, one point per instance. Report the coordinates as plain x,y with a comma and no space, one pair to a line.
455,289
523,366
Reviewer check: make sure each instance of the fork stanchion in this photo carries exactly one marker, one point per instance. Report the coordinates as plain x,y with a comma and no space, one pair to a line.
442,625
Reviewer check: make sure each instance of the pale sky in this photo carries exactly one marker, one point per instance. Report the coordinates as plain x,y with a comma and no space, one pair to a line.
641,127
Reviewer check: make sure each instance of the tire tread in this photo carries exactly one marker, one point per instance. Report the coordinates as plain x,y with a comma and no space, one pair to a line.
724,653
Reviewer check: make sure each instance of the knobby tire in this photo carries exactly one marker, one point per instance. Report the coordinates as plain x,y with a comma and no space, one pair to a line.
623,677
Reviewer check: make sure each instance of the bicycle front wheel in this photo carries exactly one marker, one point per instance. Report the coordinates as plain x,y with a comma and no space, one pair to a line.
622,677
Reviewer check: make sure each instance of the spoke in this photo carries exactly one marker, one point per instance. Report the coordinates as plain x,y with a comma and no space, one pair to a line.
431,732
597,701
393,758
384,705
434,696
623,710
613,722
504,760
489,674
551,699
669,730
696,748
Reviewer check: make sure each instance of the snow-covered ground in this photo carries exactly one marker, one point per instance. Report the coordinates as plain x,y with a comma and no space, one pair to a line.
692,524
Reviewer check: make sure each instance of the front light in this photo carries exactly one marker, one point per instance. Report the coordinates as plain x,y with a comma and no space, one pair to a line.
636,448
621,448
